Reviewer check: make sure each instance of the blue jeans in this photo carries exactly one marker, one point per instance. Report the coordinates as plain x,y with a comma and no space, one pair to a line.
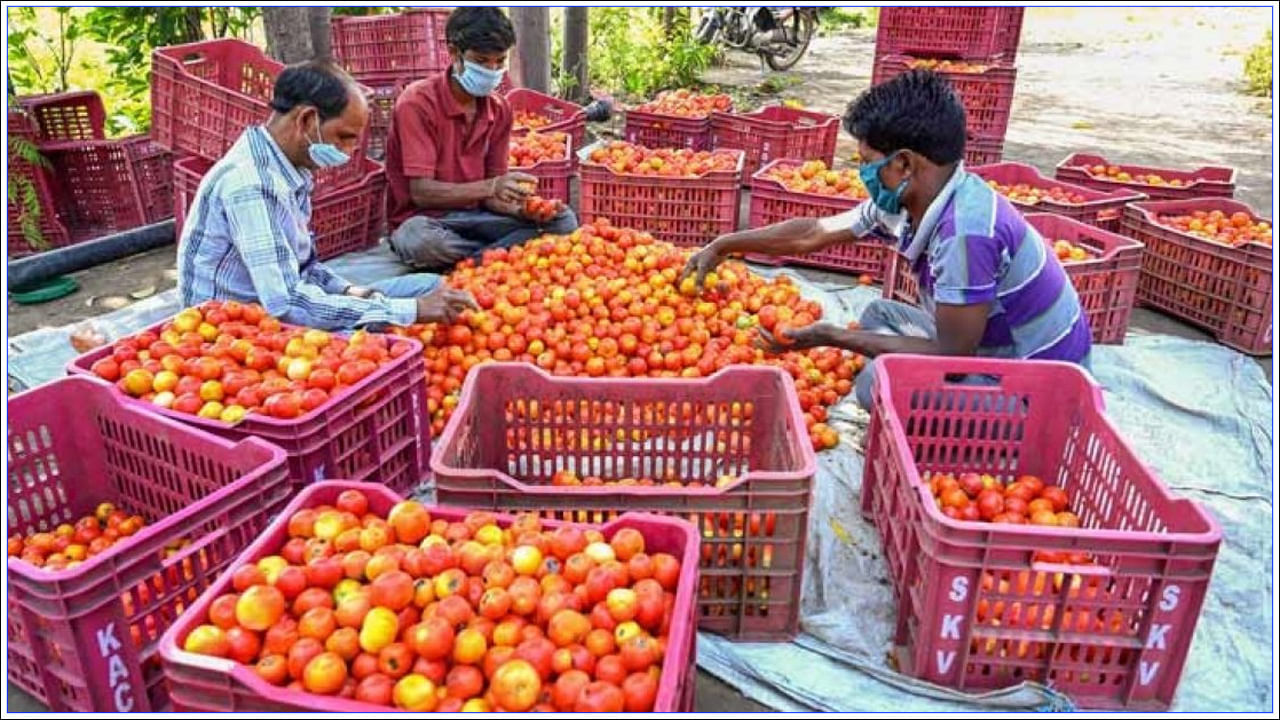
436,243
408,286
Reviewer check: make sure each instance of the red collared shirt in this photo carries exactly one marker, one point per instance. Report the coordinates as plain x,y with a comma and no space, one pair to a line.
432,137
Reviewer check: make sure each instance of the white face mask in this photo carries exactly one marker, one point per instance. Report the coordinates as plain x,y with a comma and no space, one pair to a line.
323,154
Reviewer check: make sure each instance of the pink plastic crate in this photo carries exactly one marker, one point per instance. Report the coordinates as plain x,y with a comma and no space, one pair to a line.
982,150
656,131
99,192
343,219
976,33
987,96
515,426
684,211
1099,208
206,684
68,116
776,132
553,175
772,202
374,431
1106,283
1202,182
382,102
204,95
565,116
386,49
84,639
42,184
976,609
153,172
1225,290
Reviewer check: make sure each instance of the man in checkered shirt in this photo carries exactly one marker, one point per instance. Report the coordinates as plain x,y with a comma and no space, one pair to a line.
246,235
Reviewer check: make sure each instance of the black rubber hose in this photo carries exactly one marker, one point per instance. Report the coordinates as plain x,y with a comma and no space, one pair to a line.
29,271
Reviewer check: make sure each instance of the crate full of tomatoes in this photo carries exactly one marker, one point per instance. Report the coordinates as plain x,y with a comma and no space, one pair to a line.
356,601
548,156
1031,192
1095,171
729,452
118,519
351,405
1025,539
786,189
1208,261
675,118
684,196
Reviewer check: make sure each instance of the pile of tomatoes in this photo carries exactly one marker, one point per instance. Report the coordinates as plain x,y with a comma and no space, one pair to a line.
1216,226
625,158
1114,173
69,545
525,120
423,614
1069,252
1030,194
608,302
686,103
816,178
532,148
569,478
223,360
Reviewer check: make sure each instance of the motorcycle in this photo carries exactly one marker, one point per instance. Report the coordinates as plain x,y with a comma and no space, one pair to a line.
780,36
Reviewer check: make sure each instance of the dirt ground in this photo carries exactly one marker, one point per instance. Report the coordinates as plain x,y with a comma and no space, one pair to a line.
1144,86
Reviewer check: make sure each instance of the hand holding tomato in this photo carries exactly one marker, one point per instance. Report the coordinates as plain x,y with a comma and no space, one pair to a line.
785,338
512,188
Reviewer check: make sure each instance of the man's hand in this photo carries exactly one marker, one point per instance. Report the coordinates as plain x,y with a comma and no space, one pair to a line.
361,292
444,305
803,338
701,263
513,187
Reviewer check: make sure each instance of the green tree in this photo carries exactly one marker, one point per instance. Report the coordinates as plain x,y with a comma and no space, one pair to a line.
1257,68
21,189
630,52
40,59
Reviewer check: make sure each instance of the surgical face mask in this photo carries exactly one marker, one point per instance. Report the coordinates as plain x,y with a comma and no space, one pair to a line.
323,154
887,200
478,80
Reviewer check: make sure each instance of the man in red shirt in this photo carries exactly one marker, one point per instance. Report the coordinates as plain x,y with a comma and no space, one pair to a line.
450,194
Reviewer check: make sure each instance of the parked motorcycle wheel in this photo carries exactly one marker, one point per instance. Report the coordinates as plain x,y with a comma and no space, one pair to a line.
800,25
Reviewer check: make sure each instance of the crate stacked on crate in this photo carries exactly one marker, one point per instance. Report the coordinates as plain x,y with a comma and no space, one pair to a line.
203,682
785,189
1095,171
34,209
1103,267
1207,261
92,186
369,425
975,48
776,132
83,637
1031,192
1101,604
675,118
636,186
203,97
730,453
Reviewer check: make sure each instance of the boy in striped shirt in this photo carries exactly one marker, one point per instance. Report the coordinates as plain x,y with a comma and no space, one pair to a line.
989,284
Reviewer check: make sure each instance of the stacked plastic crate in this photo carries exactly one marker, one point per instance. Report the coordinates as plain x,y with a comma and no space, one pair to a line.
85,185
204,95
974,47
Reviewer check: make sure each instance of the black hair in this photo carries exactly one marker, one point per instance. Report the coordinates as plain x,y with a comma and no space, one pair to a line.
317,83
917,110
484,29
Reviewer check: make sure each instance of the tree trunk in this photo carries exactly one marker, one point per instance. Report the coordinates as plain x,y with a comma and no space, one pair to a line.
321,38
288,33
533,46
574,65
669,21
195,24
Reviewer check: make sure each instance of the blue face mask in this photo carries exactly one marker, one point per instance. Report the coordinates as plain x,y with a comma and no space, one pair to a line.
478,80
887,200
323,154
